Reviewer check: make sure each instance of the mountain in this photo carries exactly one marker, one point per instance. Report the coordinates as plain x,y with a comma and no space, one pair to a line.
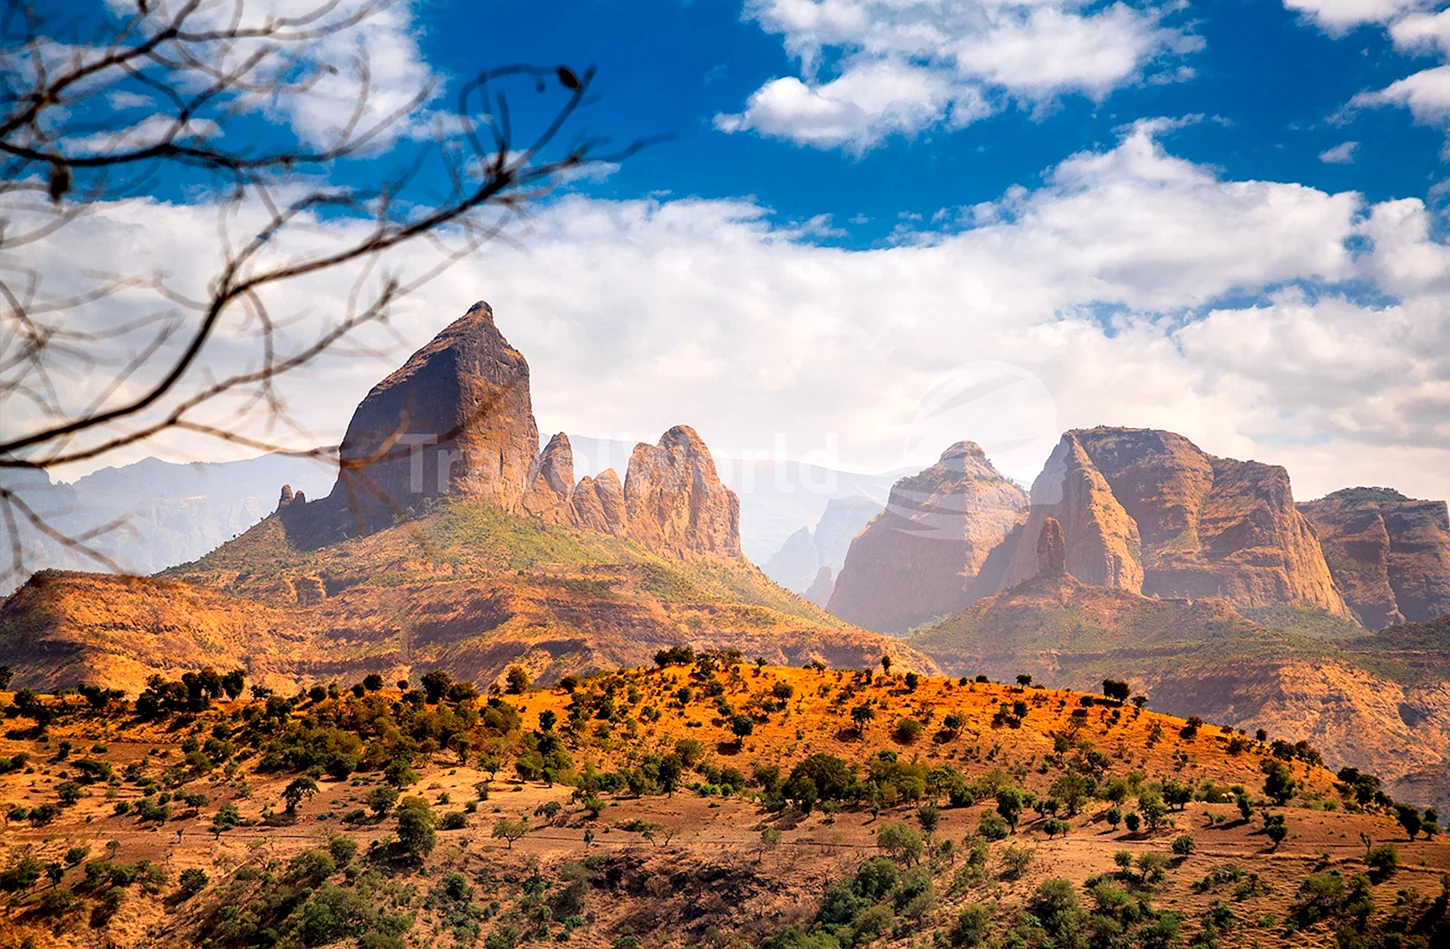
1150,512
490,557
929,553
1388,553
799,561
1378,702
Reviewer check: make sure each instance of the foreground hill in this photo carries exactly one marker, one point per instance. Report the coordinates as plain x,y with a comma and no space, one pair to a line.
1302,674
704,804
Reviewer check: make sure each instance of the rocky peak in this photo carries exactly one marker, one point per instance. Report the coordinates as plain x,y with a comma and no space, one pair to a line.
675,501
1388,553
1149,511
1051,549
928,553
454,420
597,503
551,483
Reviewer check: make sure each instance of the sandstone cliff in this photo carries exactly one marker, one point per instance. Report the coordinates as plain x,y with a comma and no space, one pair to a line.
674,501
1389,554
455,420
551,483
1148,511
927,554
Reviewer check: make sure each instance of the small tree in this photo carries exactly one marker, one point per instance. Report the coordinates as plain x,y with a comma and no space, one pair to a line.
1010,802
1152,809
1275,828
510,830
862,715
517,679
226,817
1024,679
381,800
769,840
1279,783
741,725
417,833
901,842
295,792
1409,818
886,665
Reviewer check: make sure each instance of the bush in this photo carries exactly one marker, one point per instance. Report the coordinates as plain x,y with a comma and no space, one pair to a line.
454,820
192,881
993,827
1016,860
970,927
1183,845
907,730
1383,861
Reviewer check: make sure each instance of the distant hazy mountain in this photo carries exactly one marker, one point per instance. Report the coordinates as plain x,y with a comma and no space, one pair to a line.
163,513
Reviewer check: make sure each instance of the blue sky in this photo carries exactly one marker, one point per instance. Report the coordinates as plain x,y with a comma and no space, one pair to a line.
1220,218
1272,85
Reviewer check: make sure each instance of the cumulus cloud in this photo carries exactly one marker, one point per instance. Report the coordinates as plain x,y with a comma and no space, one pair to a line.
871,69
1107,284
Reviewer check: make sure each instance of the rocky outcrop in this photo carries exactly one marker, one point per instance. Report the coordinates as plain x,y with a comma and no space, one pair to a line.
455,420
1101,543
674,500
928,553
551,483
1389,554
1150,512
597,503
1051,550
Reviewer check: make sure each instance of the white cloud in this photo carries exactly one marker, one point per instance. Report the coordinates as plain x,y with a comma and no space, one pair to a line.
902,66
637,315
1341,154
372,68
1426,94
1423,32
1337,16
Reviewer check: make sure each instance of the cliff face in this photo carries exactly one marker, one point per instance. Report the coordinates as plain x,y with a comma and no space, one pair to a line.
1148,511
674,500
455,420
927,554
552,480
1389,554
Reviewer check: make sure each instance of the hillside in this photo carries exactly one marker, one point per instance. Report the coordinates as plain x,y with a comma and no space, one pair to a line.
1357,699
631,809
469,587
